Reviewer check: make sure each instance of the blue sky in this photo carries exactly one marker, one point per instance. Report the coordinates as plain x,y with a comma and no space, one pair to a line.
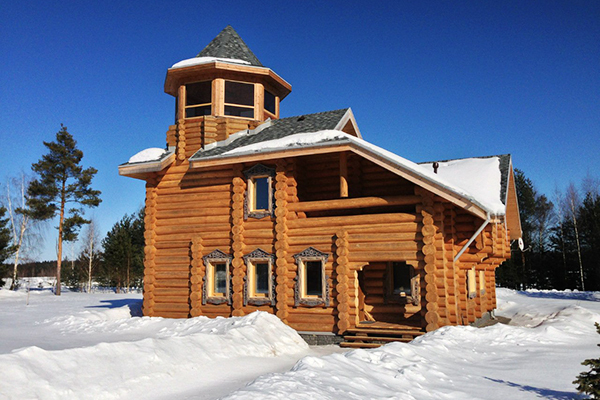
428,80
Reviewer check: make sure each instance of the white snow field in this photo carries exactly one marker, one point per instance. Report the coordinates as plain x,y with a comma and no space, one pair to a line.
95,346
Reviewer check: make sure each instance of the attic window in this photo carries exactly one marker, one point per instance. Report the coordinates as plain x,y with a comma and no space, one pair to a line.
239,99
258,202
198,99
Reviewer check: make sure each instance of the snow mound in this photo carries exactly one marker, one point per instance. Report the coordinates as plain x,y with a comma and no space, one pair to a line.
122,369
10,294
151,154
205,60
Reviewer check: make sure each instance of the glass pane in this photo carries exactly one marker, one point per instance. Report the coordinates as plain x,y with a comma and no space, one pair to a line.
239,111
261,193
401,272
220,278
313,278
261,278
197,111
270,102
198,93
239,93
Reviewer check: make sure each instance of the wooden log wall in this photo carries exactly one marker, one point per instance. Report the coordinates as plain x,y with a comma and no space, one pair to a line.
342,278
237,235
197,272
432,261
281,239
150,247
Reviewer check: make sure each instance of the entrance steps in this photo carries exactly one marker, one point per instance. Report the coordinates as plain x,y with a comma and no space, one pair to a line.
375,334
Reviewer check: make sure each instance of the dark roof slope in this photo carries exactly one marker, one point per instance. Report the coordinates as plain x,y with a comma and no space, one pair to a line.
505,161
280,128
228,44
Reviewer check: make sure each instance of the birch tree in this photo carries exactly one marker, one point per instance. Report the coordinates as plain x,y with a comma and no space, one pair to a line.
91,250
573,203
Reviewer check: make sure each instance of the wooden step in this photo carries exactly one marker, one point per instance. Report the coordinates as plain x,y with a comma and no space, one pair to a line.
355,345
378,339
376,331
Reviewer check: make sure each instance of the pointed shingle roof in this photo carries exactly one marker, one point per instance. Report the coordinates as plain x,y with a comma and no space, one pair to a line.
228,44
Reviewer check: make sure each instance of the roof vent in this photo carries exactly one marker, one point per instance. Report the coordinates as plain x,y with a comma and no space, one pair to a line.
301,118
436,165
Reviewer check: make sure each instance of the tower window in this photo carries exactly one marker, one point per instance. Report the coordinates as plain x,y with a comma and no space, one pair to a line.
198,99
269,102
239,99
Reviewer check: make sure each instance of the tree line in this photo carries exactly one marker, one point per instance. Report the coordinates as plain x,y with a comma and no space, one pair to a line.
61,188
561,238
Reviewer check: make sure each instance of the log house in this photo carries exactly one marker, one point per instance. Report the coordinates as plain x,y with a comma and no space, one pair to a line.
302,218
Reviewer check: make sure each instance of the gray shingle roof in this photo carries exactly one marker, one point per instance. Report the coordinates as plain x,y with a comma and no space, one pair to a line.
505,161
280,128
228,44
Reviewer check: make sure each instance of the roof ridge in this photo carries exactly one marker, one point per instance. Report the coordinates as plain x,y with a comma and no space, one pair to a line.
465,158
229,44
317,113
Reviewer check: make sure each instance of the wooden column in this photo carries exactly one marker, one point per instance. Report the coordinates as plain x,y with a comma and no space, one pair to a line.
180,103
237,234
197,273
281,241
440,264
150,247
451,270
180,135
342,272
343,175
428,229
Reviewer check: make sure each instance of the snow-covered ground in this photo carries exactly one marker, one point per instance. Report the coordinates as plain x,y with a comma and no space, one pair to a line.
95,346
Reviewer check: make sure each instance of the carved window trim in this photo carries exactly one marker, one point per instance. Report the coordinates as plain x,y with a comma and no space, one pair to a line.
413,297
251,259
210,261
256,172
300,297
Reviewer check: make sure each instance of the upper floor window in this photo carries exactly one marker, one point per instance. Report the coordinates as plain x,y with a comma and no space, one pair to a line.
312,284
259,285
259,195
198,97
239,99
269,102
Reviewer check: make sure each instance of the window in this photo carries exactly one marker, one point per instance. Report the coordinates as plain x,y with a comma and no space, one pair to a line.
198,99
471,284
259,286
269,102
239,99
403,284
312,284
217,286
258,202
482,282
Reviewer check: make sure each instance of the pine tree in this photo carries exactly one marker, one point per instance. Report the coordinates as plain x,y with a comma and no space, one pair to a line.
589,382
6,249
61,180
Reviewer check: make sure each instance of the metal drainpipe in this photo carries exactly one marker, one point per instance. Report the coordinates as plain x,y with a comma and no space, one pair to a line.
481,228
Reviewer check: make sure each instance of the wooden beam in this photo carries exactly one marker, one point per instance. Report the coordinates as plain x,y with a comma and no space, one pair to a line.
360,202
343,174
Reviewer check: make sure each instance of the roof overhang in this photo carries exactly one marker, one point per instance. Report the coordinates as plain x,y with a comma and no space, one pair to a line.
336,146
142,169
218,69
513,217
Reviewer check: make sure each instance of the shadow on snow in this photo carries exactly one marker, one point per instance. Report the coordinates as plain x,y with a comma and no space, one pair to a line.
135,305
543,392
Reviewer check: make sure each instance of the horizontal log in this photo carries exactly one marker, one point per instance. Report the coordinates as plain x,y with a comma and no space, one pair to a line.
352,220
389,246
363,202
171,307
170,314
193,221
310,327
376,230
165,292
206,194
171,299
408,256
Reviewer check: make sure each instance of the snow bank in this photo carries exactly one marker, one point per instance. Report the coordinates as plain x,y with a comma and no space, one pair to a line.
205,60
150,154
180,351
497,362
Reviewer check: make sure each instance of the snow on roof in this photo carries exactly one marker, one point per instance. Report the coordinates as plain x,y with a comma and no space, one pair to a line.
478,181
206,60
151,154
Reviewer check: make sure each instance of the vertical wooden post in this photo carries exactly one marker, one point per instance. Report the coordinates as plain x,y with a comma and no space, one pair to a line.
342,270
150,248
180,103
343,175
259,102
281,241
237,233
197,273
